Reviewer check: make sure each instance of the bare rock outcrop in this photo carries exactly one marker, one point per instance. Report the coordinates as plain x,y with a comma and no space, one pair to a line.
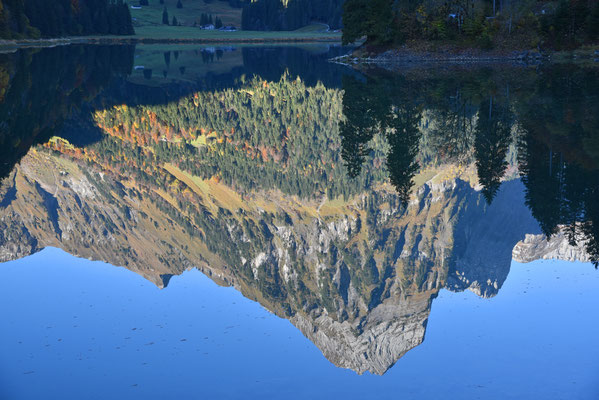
538,247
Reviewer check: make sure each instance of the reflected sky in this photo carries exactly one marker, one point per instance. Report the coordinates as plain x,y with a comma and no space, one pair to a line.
124,337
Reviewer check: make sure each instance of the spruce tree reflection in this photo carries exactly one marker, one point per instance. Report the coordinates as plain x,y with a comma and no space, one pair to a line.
363,111
403,136
492,140
561,195
382,106
38,90
558,155
541,174
356,130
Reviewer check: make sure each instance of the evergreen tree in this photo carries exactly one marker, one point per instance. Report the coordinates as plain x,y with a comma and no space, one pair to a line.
218,23
175,22
379,26
65,17
370,18
493,138
165,16
354,20
359,125
179,4
5,31
290,14
403,137
592,23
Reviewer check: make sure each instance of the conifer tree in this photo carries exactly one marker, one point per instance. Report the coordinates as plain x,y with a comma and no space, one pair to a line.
165,16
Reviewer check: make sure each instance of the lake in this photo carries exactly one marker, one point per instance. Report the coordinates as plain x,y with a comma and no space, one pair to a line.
260,222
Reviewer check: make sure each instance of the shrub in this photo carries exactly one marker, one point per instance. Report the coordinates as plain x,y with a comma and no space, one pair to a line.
485,41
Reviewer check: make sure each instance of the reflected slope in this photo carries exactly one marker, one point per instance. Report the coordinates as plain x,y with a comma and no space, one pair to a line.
248,184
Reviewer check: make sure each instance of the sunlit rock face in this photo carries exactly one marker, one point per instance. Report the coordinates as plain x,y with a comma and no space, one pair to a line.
558,247
356,277
384,336
54,204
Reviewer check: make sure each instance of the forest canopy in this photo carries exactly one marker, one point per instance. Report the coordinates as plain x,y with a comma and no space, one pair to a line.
43,18
483,23
272,15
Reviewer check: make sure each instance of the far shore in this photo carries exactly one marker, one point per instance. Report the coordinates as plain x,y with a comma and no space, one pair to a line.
364,56
180,34
413,53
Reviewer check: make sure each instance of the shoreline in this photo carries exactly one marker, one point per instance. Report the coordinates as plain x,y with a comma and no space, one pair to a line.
9,46
210,40
14,45
406,56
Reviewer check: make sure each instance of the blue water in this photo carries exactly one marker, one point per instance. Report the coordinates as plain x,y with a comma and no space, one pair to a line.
77,329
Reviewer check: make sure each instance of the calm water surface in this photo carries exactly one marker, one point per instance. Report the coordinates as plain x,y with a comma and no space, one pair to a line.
267,224
87,329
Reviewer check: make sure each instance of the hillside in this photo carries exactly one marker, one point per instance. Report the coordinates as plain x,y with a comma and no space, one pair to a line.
106,21
149,24
450,26
22,19
286,15
190,14
357,277
250,185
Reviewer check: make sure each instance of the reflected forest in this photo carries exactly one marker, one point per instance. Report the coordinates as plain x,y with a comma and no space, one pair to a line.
505,127
341,200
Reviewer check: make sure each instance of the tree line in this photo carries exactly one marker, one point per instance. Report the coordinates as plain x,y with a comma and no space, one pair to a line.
484,23
42,18
544,125
275,15
38,92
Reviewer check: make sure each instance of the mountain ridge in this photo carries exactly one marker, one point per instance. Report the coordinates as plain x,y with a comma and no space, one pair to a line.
300,271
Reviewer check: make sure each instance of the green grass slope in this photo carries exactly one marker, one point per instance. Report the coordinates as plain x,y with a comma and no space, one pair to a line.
148,24
151,15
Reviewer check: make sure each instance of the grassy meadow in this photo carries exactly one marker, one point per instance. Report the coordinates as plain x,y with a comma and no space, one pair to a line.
152,15
148,25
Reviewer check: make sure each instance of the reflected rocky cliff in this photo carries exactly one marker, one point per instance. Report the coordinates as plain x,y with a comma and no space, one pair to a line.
347,225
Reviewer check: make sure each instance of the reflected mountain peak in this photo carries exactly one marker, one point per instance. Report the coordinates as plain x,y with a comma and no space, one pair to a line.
357,277
344,211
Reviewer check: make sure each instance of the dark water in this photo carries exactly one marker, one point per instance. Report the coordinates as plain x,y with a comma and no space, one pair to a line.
291,227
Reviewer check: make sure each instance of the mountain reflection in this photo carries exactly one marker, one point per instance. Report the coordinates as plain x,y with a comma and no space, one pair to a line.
40,89
385,106
474,118
345,210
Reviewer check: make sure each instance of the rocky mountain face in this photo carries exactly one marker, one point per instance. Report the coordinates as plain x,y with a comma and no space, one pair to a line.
558,247
357,277
485,237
